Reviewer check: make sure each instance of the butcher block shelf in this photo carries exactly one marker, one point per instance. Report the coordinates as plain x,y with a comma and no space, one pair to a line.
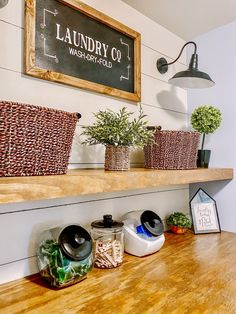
92,181
190,274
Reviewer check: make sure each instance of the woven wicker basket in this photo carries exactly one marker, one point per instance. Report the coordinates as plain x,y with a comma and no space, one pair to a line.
34,140
117,157
173,150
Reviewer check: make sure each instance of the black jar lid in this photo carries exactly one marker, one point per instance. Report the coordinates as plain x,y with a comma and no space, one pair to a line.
152,223
107,222
75,242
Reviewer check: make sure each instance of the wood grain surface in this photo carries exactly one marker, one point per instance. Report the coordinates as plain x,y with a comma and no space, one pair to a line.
190,274
82,182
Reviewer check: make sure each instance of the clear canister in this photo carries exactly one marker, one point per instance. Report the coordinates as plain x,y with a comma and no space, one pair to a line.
65,255
108,238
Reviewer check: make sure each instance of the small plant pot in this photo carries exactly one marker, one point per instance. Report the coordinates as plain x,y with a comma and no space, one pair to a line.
203,158
178,230
117,158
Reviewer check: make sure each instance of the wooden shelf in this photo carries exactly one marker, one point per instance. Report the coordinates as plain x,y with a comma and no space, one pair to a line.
190,274
83,182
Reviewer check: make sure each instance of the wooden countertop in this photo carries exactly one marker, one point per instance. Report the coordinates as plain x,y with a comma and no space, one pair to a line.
82,182
191,274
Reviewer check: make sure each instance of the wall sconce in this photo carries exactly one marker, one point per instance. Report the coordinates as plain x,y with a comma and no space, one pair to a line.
190,78
3,3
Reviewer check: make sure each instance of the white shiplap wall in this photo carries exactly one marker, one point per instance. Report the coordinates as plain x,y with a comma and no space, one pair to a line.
21,223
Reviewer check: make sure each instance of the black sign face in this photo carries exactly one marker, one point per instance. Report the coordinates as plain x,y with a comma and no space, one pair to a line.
70,42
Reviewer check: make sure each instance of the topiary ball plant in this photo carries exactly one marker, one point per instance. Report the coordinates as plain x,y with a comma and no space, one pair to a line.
179,222
206,119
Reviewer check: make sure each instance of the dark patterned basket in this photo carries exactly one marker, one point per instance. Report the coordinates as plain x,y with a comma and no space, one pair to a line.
173,150
34,140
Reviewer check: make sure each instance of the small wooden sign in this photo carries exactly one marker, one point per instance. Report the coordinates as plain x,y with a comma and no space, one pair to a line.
72,43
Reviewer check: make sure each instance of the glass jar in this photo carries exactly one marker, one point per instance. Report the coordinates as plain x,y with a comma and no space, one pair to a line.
65,255
108,240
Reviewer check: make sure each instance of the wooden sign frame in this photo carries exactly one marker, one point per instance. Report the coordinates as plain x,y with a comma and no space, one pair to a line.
46,74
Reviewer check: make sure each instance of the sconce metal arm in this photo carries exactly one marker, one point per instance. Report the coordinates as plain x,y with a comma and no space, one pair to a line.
162,64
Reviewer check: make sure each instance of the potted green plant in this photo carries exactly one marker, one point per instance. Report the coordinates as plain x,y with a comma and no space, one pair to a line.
118,132
205,119
179,223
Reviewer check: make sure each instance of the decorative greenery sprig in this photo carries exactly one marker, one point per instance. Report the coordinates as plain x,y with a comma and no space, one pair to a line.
115,128
206,119
179,219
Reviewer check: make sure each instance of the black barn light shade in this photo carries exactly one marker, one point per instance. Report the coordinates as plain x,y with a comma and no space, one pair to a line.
190,78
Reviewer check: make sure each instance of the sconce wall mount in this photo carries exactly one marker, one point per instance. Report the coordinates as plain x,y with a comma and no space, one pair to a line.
190,78
3,3
162,65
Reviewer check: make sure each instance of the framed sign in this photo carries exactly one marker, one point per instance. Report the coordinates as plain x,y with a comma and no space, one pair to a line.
204,213
69,42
